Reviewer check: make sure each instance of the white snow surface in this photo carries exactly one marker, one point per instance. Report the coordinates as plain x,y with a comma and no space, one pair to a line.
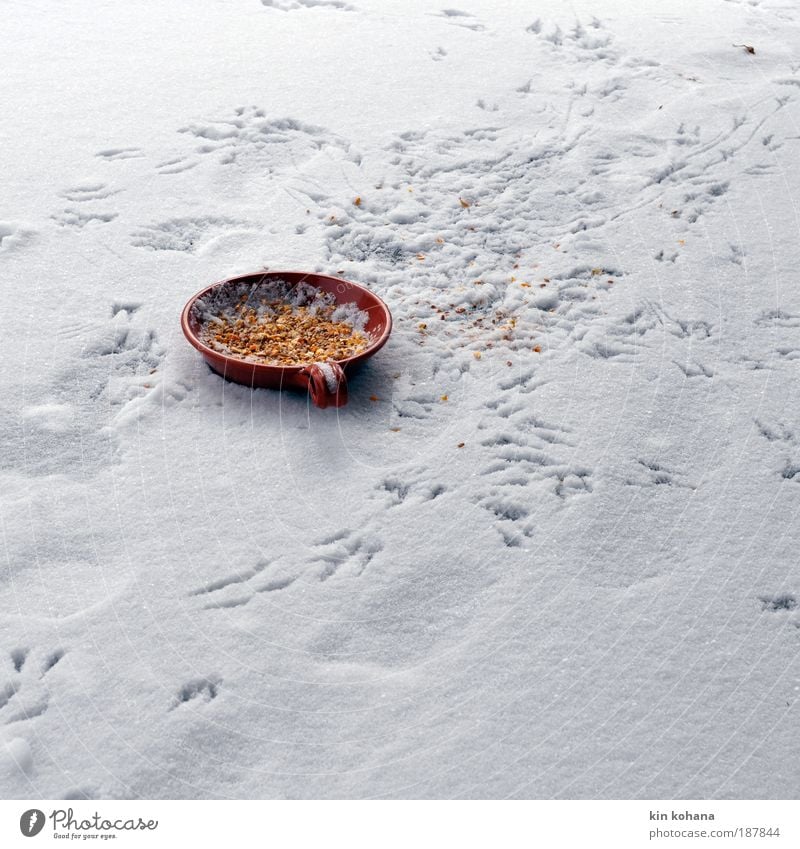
208,591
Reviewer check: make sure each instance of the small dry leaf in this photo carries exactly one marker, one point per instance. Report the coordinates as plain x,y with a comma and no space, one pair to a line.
537,349
357,201
509,363
420,257
374,398
460,445
422,325
681,241
476,354
525,285
464,203
596,272
748,48
444,397
394,429
513,279
439,240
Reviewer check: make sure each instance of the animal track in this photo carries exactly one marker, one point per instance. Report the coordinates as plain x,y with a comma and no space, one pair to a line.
511,515
650,473
413,485
346,550
239,578
492,215
176,165
134,350
522,381
623,338
791,471
105,382
779,602
573,481
18,657
204,689
601,347
417,405
120,365
27,695
246,587
291,5
701,200
183,234
586,43
461,19
6,694
777,432
521,462
51,660
778,318
115,153
14,235
250,142
693,368
89,191
460,214
78,219
782,436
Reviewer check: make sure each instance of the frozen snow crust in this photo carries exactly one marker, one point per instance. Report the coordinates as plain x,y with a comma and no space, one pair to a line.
548,549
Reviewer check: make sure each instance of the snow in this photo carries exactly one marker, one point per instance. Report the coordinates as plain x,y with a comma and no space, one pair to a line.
209,591
329,374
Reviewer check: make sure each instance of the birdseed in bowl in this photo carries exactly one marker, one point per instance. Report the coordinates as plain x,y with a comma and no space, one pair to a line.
277,323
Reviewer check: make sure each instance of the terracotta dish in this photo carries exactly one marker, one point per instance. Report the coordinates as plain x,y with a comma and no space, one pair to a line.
326,382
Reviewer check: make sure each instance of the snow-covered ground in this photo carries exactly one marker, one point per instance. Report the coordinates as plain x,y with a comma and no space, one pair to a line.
583,216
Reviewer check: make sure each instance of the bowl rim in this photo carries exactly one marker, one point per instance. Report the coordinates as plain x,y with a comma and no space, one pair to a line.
269,273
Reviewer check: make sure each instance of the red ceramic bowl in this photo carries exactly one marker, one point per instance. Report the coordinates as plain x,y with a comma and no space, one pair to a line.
325,381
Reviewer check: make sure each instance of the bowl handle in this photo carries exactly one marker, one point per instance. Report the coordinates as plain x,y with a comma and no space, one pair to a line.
326,383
